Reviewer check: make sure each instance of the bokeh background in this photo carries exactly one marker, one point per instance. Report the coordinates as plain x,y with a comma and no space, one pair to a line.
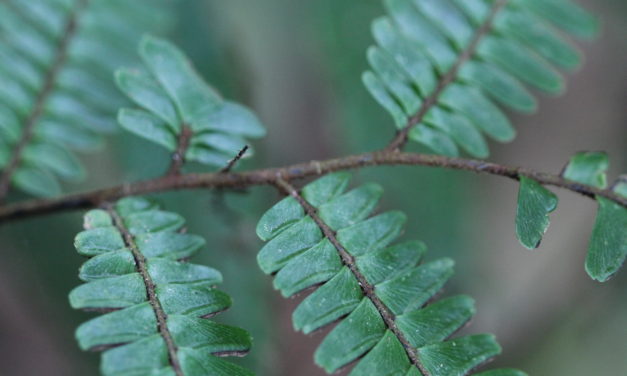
298,64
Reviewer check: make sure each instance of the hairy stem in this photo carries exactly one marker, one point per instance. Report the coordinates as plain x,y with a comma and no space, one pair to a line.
142,268
401,137
239,180
349,261
40,101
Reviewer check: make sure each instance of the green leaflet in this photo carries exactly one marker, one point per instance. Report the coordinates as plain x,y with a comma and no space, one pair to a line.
588,168
183,294
148,126
79,102
303,258
435,139
532,214
36,181
565,15
172,97
457,356
419,42
608,244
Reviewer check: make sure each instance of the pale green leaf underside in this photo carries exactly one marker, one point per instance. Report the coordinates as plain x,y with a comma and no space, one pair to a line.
172,96
588,168
80,102
608,244
532,215
419,41
302,258
185,293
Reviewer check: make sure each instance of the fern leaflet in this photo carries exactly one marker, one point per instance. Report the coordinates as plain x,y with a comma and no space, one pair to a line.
160,304
608,244
56,57
323,236
439,66
179,111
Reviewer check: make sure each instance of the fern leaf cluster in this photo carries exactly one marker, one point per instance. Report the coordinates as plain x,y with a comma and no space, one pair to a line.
158,305
446,70
56,97
445,67
608,244
174,100
326,237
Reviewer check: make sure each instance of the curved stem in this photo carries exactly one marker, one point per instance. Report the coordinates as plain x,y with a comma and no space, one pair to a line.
293,172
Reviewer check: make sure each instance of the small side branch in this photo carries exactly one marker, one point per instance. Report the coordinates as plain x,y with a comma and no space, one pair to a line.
294,172
178,157
234,161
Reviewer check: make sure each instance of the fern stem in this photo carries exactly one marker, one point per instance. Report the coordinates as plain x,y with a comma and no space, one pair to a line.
401,137
50,78
142,268
178,157
349,261
239,180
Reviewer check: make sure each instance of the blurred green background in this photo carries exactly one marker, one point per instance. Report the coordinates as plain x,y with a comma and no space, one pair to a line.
298,64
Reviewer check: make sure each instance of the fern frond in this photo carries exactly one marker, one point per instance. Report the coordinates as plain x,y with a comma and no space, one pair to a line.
608,244
179,111
440,65
324,236
56,60
160,304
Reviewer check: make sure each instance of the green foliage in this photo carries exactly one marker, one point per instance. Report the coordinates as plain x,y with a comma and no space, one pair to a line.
56,97
532,217
447,65
374,284
608,243
421,42
172,97
588,168
135,270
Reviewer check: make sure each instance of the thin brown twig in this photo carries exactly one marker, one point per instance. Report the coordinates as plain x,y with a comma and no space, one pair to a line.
349,261
235,159
267,176
178,157
401,137
41,98
227,179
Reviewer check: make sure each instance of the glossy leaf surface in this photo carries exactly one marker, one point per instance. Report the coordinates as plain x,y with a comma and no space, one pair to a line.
532,215
137,273
608,243
382,284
